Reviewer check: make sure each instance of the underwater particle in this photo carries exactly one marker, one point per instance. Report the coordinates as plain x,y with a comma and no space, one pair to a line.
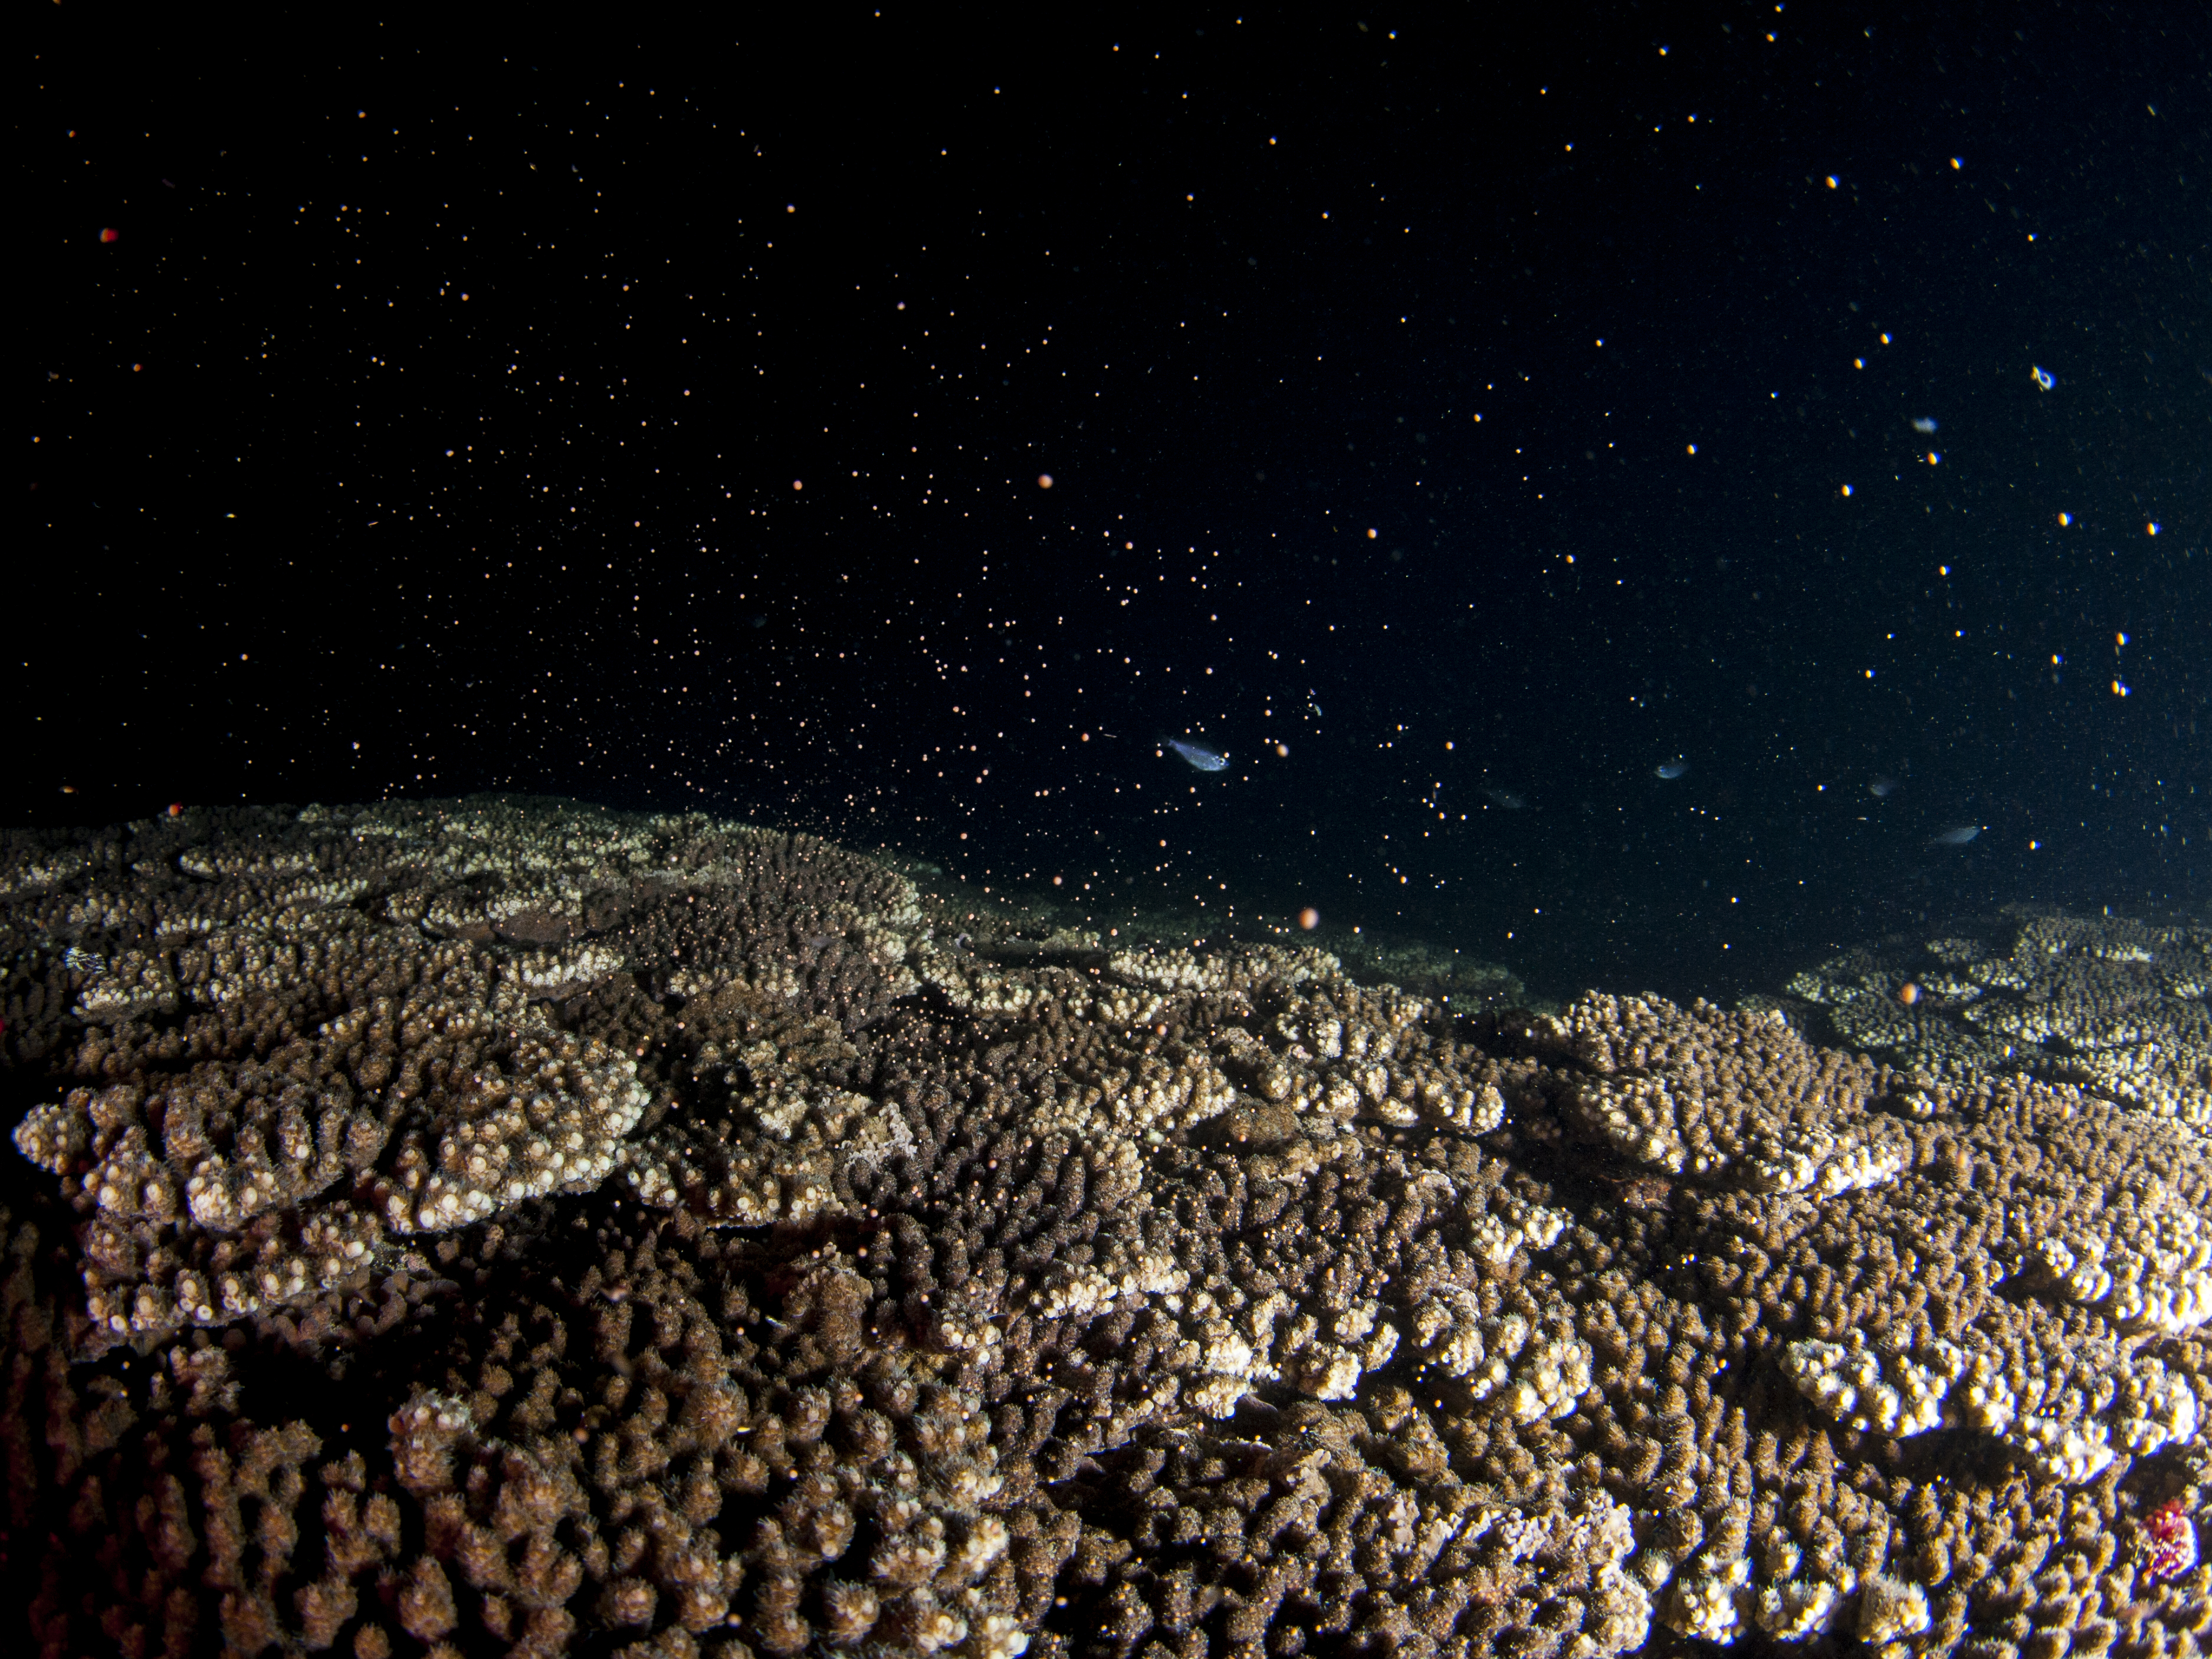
2120,690
1958,836
1044,480
1881,787
1309,918
110,234
1506,799
2065,519
2043,378
2151,529
1283,750
1923,424
799,483
1908,994
1672,769
1847,489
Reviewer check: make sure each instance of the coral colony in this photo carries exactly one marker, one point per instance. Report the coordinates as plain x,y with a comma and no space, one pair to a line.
500,1225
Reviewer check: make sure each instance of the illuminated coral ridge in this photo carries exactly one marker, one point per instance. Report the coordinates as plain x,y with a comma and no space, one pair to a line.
2117,1007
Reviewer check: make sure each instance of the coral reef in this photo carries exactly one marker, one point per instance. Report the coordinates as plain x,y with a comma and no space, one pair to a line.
2122,1008
504,1226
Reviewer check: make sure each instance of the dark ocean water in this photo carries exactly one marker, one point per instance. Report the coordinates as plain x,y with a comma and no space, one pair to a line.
899,433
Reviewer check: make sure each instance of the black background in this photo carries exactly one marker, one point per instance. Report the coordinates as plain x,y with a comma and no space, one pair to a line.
661,420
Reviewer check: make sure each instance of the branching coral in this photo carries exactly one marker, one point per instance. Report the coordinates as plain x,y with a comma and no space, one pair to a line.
502,1226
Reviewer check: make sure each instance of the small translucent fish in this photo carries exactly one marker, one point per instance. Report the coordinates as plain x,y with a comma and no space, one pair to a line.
1505,798
2043,378
1881,788
1198,755
1672,769
1958,836
1923,424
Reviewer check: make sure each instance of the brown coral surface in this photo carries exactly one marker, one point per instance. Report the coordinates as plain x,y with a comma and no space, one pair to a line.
504,1226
